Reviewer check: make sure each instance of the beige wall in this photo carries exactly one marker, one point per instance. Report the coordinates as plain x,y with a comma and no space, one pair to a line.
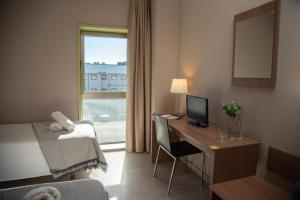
164,53
38,70
205,52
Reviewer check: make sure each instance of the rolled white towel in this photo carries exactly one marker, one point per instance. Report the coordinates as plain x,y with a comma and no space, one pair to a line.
55,126
43,193
63,120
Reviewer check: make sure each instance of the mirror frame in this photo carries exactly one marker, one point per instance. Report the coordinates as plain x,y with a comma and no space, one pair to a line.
260,10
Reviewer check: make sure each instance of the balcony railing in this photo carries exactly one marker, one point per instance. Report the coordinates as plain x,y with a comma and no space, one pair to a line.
104,95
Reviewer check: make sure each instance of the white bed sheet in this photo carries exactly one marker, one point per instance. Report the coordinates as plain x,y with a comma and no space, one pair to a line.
20,153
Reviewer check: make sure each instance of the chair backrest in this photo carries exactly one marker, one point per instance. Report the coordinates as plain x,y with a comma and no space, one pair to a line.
162,132
283,164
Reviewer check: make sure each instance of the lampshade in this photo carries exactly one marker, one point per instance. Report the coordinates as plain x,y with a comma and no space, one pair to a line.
179,86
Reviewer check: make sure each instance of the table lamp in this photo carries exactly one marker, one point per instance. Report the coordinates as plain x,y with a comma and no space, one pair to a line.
179,86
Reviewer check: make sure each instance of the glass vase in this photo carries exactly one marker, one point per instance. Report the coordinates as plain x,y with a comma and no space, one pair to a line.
235,127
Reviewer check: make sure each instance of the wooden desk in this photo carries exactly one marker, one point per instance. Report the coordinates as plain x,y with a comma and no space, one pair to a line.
228,160
249,188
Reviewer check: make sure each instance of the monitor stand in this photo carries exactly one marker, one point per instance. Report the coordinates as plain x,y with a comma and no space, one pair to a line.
198,124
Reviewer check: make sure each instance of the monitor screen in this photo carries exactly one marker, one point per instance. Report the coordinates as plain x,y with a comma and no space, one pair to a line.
197,108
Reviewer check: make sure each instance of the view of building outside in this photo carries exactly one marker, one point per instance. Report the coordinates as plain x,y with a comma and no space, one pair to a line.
105,78
105,73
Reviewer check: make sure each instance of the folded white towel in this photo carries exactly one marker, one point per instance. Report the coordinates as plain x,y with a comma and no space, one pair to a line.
43,193
55,126
63,120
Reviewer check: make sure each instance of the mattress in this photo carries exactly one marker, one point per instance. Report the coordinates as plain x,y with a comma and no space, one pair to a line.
70,190
20,153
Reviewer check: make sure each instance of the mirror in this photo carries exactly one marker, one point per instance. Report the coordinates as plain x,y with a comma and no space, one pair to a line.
256,46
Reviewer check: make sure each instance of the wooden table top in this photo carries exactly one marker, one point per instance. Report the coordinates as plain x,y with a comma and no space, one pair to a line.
207,136
249,188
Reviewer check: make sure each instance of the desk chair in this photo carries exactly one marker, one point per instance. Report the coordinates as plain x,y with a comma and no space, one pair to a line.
175,150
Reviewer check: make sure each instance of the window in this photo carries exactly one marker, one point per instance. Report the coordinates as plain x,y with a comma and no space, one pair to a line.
113,77
93,77
123,77
93,89
103,60
103,77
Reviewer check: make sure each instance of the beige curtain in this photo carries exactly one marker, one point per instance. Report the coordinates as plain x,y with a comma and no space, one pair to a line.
138,119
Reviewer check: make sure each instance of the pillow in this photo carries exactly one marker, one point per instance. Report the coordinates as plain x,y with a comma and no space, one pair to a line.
65,122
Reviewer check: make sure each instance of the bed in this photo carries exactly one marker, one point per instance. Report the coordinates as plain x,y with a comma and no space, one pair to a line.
20,154
31,150
69,190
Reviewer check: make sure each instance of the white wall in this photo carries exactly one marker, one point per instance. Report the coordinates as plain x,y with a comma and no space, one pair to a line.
38,70
205,57
164,53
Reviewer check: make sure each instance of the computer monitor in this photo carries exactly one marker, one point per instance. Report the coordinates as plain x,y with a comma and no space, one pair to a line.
197,110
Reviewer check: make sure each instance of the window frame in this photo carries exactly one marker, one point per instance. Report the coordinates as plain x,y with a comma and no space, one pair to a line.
92,30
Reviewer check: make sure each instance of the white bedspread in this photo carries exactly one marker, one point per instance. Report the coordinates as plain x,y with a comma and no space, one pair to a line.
69,190
68,151
20,154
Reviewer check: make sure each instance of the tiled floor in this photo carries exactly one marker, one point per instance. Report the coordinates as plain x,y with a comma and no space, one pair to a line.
129,176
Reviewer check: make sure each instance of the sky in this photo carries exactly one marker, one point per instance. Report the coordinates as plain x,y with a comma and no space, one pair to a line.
102,49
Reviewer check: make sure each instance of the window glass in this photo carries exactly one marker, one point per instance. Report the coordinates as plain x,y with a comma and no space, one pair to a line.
104,98
103,77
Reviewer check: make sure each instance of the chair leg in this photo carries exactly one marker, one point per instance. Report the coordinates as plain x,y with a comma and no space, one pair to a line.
202,168
156,161
172,173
